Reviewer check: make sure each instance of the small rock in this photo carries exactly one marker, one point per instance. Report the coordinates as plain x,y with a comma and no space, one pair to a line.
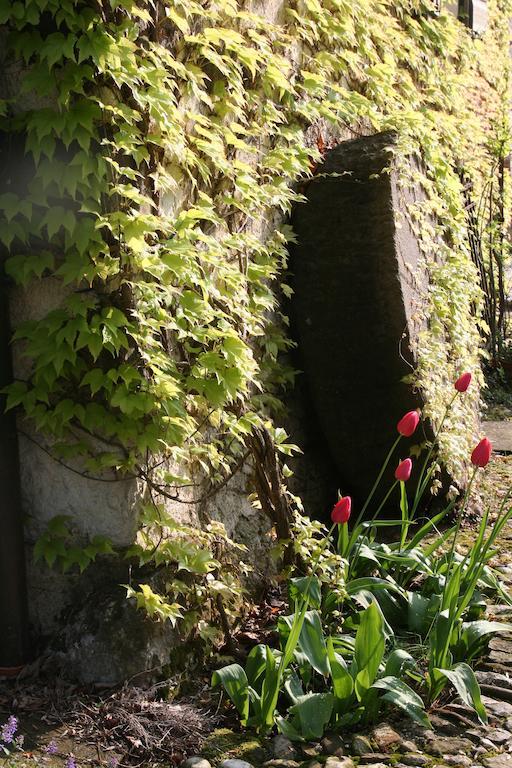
409,746
385,737
234,763
489,745
312,764
277,763
339,762
495,679
447,745
313,749
497,708
282,747
377,765
413,758
332,744
361,745
498,761
463,760
195,762
372,757
445,726
499,736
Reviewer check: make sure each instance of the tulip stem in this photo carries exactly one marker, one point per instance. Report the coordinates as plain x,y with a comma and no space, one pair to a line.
423,480
459,521
352,564
404,508
379,478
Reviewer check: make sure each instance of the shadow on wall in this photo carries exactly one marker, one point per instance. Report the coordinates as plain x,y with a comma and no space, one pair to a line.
357,292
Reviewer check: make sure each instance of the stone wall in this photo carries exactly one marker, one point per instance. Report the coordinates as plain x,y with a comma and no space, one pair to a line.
376,306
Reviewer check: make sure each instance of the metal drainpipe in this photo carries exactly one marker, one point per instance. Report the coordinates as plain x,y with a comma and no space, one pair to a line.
14,644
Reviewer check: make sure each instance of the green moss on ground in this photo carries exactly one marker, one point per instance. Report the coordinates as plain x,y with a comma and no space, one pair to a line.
224,743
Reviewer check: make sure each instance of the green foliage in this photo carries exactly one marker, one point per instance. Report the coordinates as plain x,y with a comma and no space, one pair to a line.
338,664
180,558
165,140
56,546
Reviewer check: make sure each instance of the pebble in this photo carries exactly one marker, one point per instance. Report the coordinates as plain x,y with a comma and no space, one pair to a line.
281,763
234,763
332,744
372,757
498,761
499,736
487,743
413,758
195,762
442,745
385,737
312,749
339,762
497,708
282,747
463,760
361,745
409,746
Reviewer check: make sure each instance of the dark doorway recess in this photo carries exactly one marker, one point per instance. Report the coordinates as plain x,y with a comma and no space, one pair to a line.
14,640
355,310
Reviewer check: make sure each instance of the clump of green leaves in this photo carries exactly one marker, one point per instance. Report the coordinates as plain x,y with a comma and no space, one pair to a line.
57,546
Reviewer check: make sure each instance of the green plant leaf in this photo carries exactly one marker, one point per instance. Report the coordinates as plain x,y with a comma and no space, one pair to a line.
234,681
401,695
463,679
314,712
370,642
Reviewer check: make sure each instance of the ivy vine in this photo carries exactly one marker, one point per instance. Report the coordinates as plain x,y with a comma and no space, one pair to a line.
166,141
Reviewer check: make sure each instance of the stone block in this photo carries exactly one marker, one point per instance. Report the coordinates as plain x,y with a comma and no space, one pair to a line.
360,292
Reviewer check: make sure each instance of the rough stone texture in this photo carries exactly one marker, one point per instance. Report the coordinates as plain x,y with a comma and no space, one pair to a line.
499,736
108,640
236,764
503,760
414,759
313,749
283,748
196,762
441,745
497,708
281,763
495,679
339,762
500,435
386,738
332,744
462,760
361,745
409,746
356,308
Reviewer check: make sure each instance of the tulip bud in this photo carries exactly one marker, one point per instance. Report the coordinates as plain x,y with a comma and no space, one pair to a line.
482,453
341,510
403,471
463,382
408,423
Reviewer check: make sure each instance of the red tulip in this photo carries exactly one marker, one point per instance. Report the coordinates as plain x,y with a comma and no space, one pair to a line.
463,382
403,471
341,510
482,453
408,423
